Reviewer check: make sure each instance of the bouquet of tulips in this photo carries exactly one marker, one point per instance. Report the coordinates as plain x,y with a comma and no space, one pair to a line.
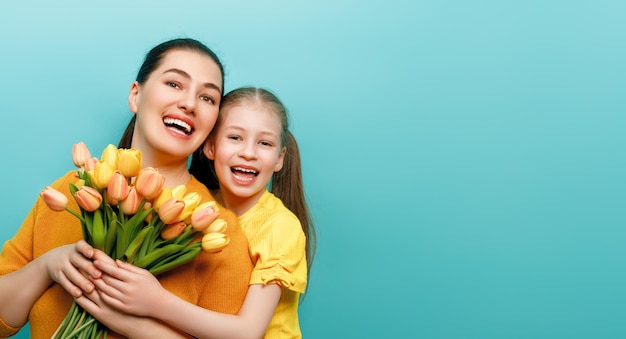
126,212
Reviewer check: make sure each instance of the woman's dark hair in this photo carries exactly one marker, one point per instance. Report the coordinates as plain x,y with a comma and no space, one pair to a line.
153,61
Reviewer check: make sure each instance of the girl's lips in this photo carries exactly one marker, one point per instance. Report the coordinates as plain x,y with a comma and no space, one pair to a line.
244,174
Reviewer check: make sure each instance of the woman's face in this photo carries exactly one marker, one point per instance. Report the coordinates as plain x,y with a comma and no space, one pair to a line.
176,106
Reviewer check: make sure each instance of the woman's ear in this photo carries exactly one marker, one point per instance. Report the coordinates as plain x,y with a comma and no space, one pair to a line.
133,97
281,159
209,148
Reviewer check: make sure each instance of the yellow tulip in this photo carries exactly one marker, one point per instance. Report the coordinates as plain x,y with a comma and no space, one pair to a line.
109,155
88,198
170,211
101,174
80,154
165,195
118,188
130,204
55,200
219,225
173,230
179,191
214,242
204,215
129,162
191,201
149,182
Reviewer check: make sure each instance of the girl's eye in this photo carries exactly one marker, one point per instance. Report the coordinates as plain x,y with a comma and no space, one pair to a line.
266,143
234,137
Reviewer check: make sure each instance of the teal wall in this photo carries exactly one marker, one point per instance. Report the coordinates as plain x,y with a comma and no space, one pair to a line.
465,160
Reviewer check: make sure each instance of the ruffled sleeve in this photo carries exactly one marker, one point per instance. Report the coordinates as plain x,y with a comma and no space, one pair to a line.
278,248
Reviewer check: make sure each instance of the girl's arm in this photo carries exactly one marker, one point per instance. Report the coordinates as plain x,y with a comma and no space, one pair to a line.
136,291
20,290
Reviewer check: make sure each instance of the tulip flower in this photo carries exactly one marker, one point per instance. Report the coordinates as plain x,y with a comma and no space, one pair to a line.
149,182
109,155
173,230
191,201
88,198
55,200
179,191
118,188
214,242
165,195
129,162
204,215
170,211
219,225
90,164
130,204
101,174
80,154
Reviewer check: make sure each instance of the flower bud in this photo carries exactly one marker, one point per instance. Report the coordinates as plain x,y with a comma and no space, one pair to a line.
179,191
130,204
191,201
88,198
90,164
118,188
55,200
214,242
204,215
149,182
101,174
218,225
80,154
165,195
109,155
129,162
170,211
173,230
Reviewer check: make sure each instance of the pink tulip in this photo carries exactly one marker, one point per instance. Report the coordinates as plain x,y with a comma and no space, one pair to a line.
80,154
55,200
204,215
149,182
88,198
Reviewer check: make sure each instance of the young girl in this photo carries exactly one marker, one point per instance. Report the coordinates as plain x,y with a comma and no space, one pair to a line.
175,100
251,148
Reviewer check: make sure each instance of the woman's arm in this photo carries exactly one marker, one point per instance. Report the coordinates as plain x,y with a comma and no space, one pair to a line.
20,290
136,291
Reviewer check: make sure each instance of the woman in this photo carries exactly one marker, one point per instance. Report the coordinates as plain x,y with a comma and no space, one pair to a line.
175,99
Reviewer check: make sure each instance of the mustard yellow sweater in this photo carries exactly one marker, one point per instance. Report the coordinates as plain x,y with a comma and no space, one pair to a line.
217,281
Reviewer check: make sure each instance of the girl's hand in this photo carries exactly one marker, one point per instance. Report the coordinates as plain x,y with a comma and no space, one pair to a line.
129,288
70,266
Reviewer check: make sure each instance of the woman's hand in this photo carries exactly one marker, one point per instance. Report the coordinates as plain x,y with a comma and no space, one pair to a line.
129,288
70,266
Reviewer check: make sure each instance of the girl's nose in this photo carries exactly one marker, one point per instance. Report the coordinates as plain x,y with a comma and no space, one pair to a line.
247,151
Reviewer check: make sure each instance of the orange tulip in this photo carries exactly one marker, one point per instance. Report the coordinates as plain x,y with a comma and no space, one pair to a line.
149,182
170,211
88,198
55,200
204,215
118,188
130,204
173,230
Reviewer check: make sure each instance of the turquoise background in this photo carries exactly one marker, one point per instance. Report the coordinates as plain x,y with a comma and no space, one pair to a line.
464,159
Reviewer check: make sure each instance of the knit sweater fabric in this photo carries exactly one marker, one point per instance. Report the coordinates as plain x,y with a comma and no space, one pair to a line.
216,281
277,246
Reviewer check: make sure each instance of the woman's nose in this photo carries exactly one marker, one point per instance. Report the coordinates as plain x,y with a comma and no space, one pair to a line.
187,102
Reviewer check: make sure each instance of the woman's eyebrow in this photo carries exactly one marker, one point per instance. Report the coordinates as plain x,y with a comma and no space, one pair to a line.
186,75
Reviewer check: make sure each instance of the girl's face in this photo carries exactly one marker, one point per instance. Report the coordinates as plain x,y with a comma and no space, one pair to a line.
246,150
176,106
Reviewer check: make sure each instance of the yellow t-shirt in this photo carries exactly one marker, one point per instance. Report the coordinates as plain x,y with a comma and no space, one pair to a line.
277,247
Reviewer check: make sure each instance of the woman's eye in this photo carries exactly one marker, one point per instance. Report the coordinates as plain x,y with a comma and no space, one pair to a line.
207,99
173,84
